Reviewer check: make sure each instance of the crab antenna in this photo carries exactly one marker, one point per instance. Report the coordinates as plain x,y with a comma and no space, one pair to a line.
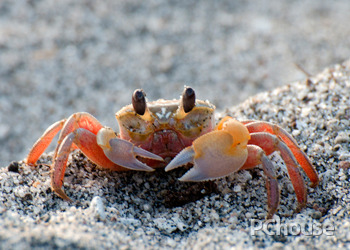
188,99
139,101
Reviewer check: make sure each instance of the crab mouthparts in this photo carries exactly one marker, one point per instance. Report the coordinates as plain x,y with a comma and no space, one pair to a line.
166,143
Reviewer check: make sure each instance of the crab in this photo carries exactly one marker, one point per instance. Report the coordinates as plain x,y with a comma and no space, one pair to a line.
174,133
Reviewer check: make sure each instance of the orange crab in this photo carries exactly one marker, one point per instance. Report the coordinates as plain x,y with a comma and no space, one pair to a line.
180,131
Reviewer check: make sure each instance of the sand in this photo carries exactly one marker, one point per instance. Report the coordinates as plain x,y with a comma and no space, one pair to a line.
57,58
138,210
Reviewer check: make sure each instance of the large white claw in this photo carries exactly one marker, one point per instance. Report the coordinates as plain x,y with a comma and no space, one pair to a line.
122,152
214,155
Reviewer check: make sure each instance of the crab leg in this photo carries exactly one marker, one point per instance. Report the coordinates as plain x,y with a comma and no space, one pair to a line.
59,167
270,143
87,142
83,131
257,156
75,121
43,142
299,155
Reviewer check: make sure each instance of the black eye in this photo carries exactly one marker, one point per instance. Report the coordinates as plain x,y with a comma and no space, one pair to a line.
139,101
188,99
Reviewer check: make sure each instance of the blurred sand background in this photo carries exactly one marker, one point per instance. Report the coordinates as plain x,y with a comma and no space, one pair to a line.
61,57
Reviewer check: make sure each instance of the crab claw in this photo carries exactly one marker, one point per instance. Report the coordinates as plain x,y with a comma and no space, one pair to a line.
181,159
216,154
122,152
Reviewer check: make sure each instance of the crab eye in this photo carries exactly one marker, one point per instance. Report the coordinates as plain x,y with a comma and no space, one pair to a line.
139,101
188,99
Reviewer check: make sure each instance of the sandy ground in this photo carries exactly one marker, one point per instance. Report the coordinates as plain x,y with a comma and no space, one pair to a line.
137,210
57,58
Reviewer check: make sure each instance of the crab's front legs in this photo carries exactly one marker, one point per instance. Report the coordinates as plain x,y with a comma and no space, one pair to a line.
86,142
100,145
104,149
223,152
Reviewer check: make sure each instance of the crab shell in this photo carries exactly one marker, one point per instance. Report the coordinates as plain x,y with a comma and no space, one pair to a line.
165,128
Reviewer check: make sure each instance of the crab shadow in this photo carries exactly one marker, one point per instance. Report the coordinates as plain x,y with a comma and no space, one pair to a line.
158,188
158,191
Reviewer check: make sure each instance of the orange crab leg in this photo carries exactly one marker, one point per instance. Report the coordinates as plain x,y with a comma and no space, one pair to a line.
86,142
257,156
75,121
43,142
299,155
99,144
270,143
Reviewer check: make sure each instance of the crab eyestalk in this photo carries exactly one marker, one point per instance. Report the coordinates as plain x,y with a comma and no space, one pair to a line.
188,100
139,101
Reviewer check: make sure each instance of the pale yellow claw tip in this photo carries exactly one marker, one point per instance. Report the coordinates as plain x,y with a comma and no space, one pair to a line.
222,121
238,131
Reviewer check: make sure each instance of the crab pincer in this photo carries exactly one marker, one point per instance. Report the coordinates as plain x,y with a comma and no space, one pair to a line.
105,149
215,154
122,152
